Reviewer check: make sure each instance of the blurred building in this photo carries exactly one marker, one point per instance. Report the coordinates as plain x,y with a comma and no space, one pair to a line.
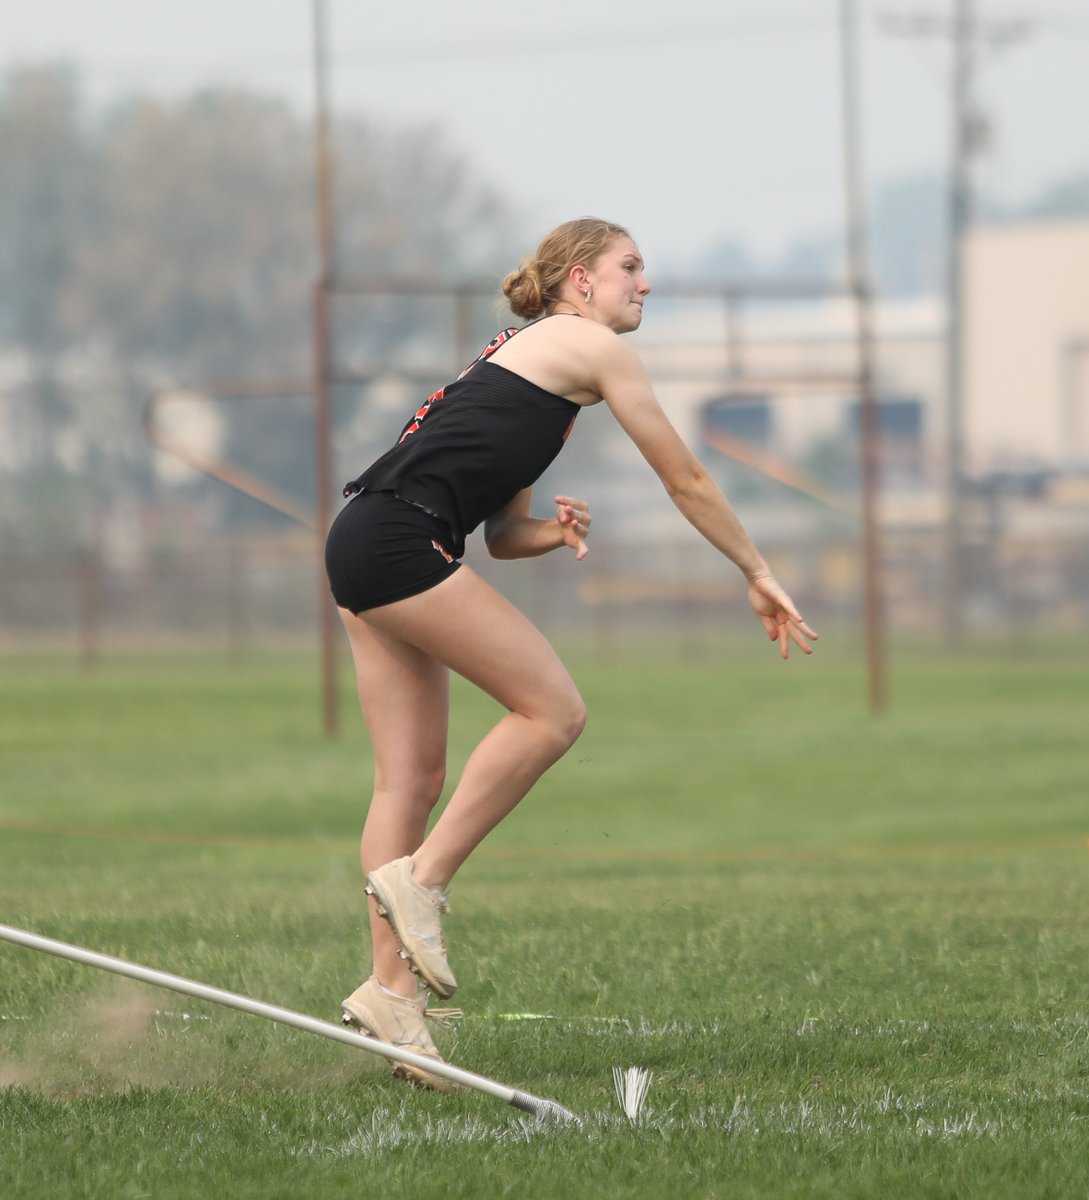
1027,348
778,385
778,400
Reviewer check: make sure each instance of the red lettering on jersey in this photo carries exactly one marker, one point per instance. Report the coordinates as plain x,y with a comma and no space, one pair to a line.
425,408
420,413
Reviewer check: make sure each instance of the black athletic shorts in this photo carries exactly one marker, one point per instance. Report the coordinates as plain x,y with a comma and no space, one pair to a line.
382,548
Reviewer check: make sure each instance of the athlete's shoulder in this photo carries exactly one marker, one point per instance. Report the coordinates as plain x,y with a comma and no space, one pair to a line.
605,345
572,330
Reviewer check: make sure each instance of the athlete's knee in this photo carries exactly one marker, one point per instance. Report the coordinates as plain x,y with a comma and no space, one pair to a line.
579,717
567,722
429,786
418,791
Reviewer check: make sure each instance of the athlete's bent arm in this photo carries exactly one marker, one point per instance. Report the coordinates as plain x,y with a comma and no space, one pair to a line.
513,533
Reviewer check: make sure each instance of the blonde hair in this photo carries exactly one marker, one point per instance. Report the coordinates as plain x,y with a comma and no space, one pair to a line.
535,287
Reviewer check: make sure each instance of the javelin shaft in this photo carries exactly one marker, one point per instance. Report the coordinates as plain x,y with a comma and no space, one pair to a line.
283,1016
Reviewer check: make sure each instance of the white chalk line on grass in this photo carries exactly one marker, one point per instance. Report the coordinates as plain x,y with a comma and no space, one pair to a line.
1071,1025
889,1114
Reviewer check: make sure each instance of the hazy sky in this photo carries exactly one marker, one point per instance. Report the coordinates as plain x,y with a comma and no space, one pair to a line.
690,121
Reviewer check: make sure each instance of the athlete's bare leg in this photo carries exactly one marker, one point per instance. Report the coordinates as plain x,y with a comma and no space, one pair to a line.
466,625
404,695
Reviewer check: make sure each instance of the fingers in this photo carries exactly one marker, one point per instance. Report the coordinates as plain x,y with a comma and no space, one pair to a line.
574,519
797,622
791,629
782,622
576,506
573,512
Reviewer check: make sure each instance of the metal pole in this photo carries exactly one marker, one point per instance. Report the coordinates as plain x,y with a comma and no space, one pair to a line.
959,215
285,1016
1074,350
868,423
322,373
90,604
463,346
734,368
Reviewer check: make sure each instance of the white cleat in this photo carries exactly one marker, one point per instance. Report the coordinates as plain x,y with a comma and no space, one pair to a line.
415,913
400,1021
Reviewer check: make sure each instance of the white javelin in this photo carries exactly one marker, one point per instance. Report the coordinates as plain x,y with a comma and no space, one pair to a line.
522,1100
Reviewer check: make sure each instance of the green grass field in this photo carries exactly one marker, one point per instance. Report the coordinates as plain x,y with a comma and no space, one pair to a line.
853,952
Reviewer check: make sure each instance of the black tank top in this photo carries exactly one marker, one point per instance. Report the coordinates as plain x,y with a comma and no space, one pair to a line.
473,445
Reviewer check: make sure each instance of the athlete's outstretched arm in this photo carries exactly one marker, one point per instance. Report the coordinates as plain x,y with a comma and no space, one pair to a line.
627,390
513,533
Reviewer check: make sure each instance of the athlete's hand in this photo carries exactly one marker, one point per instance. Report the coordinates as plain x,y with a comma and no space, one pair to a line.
573,518
777,614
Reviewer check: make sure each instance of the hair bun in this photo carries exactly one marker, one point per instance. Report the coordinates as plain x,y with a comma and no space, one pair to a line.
523,291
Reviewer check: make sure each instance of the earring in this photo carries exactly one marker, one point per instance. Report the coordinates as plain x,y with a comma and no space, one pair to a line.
587,294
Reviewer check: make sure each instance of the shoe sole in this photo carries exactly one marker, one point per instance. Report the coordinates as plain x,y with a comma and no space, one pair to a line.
443,991
417,1076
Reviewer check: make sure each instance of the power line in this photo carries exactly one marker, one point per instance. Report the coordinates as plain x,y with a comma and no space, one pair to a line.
802,22
995,33
594,41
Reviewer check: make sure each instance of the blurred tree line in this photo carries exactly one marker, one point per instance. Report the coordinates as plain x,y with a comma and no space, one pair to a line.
174,243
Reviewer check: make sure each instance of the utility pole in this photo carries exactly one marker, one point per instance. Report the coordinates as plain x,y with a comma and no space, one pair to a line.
969,133
323,454
960,215
862,295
